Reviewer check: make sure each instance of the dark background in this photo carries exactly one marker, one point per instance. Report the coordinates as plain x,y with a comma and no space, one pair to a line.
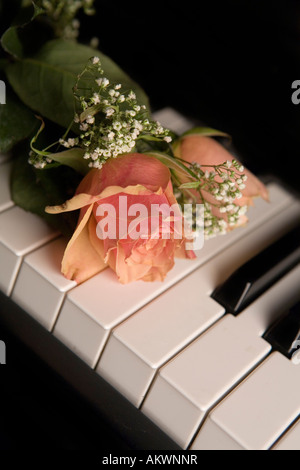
230,64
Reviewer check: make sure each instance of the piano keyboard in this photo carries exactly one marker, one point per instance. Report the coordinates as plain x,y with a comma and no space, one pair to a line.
207,379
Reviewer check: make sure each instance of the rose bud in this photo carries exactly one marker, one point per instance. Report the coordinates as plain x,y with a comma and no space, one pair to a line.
206,151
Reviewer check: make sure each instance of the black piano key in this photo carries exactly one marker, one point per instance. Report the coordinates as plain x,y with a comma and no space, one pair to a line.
284,334
260,273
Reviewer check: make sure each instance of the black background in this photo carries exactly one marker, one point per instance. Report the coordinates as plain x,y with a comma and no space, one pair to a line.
230,64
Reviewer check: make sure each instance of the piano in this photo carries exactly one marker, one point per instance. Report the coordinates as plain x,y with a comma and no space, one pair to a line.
169,364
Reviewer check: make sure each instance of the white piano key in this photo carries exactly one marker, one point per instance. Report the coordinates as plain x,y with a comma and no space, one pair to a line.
78,329
20,233
148,339
290,440
248,327
173,120
5,197
172,320
258,411
213,434
195,380
40,287
112,304
243,249
99,314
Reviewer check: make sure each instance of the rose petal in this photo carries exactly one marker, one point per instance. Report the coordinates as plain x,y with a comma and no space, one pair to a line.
127,170
77,202
155,274
127,273
81,261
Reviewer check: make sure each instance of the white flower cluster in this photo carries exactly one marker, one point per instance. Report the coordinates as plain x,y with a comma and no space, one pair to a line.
111,121
213,225
63,12
225,183
39,162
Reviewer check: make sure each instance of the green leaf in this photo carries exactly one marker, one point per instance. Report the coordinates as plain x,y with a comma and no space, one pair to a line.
173,163
72,158
201,131
11,43
205,131
10,40
33,190
37,10
191,185
151,138
16,122
181,175
44,82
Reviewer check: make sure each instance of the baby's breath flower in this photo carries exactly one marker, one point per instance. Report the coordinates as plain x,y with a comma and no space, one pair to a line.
109,112
62,15
90,119
83,126
38,161
224,184
110,120
96,99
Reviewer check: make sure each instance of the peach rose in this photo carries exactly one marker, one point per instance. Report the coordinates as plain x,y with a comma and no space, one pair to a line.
207,151
104,234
